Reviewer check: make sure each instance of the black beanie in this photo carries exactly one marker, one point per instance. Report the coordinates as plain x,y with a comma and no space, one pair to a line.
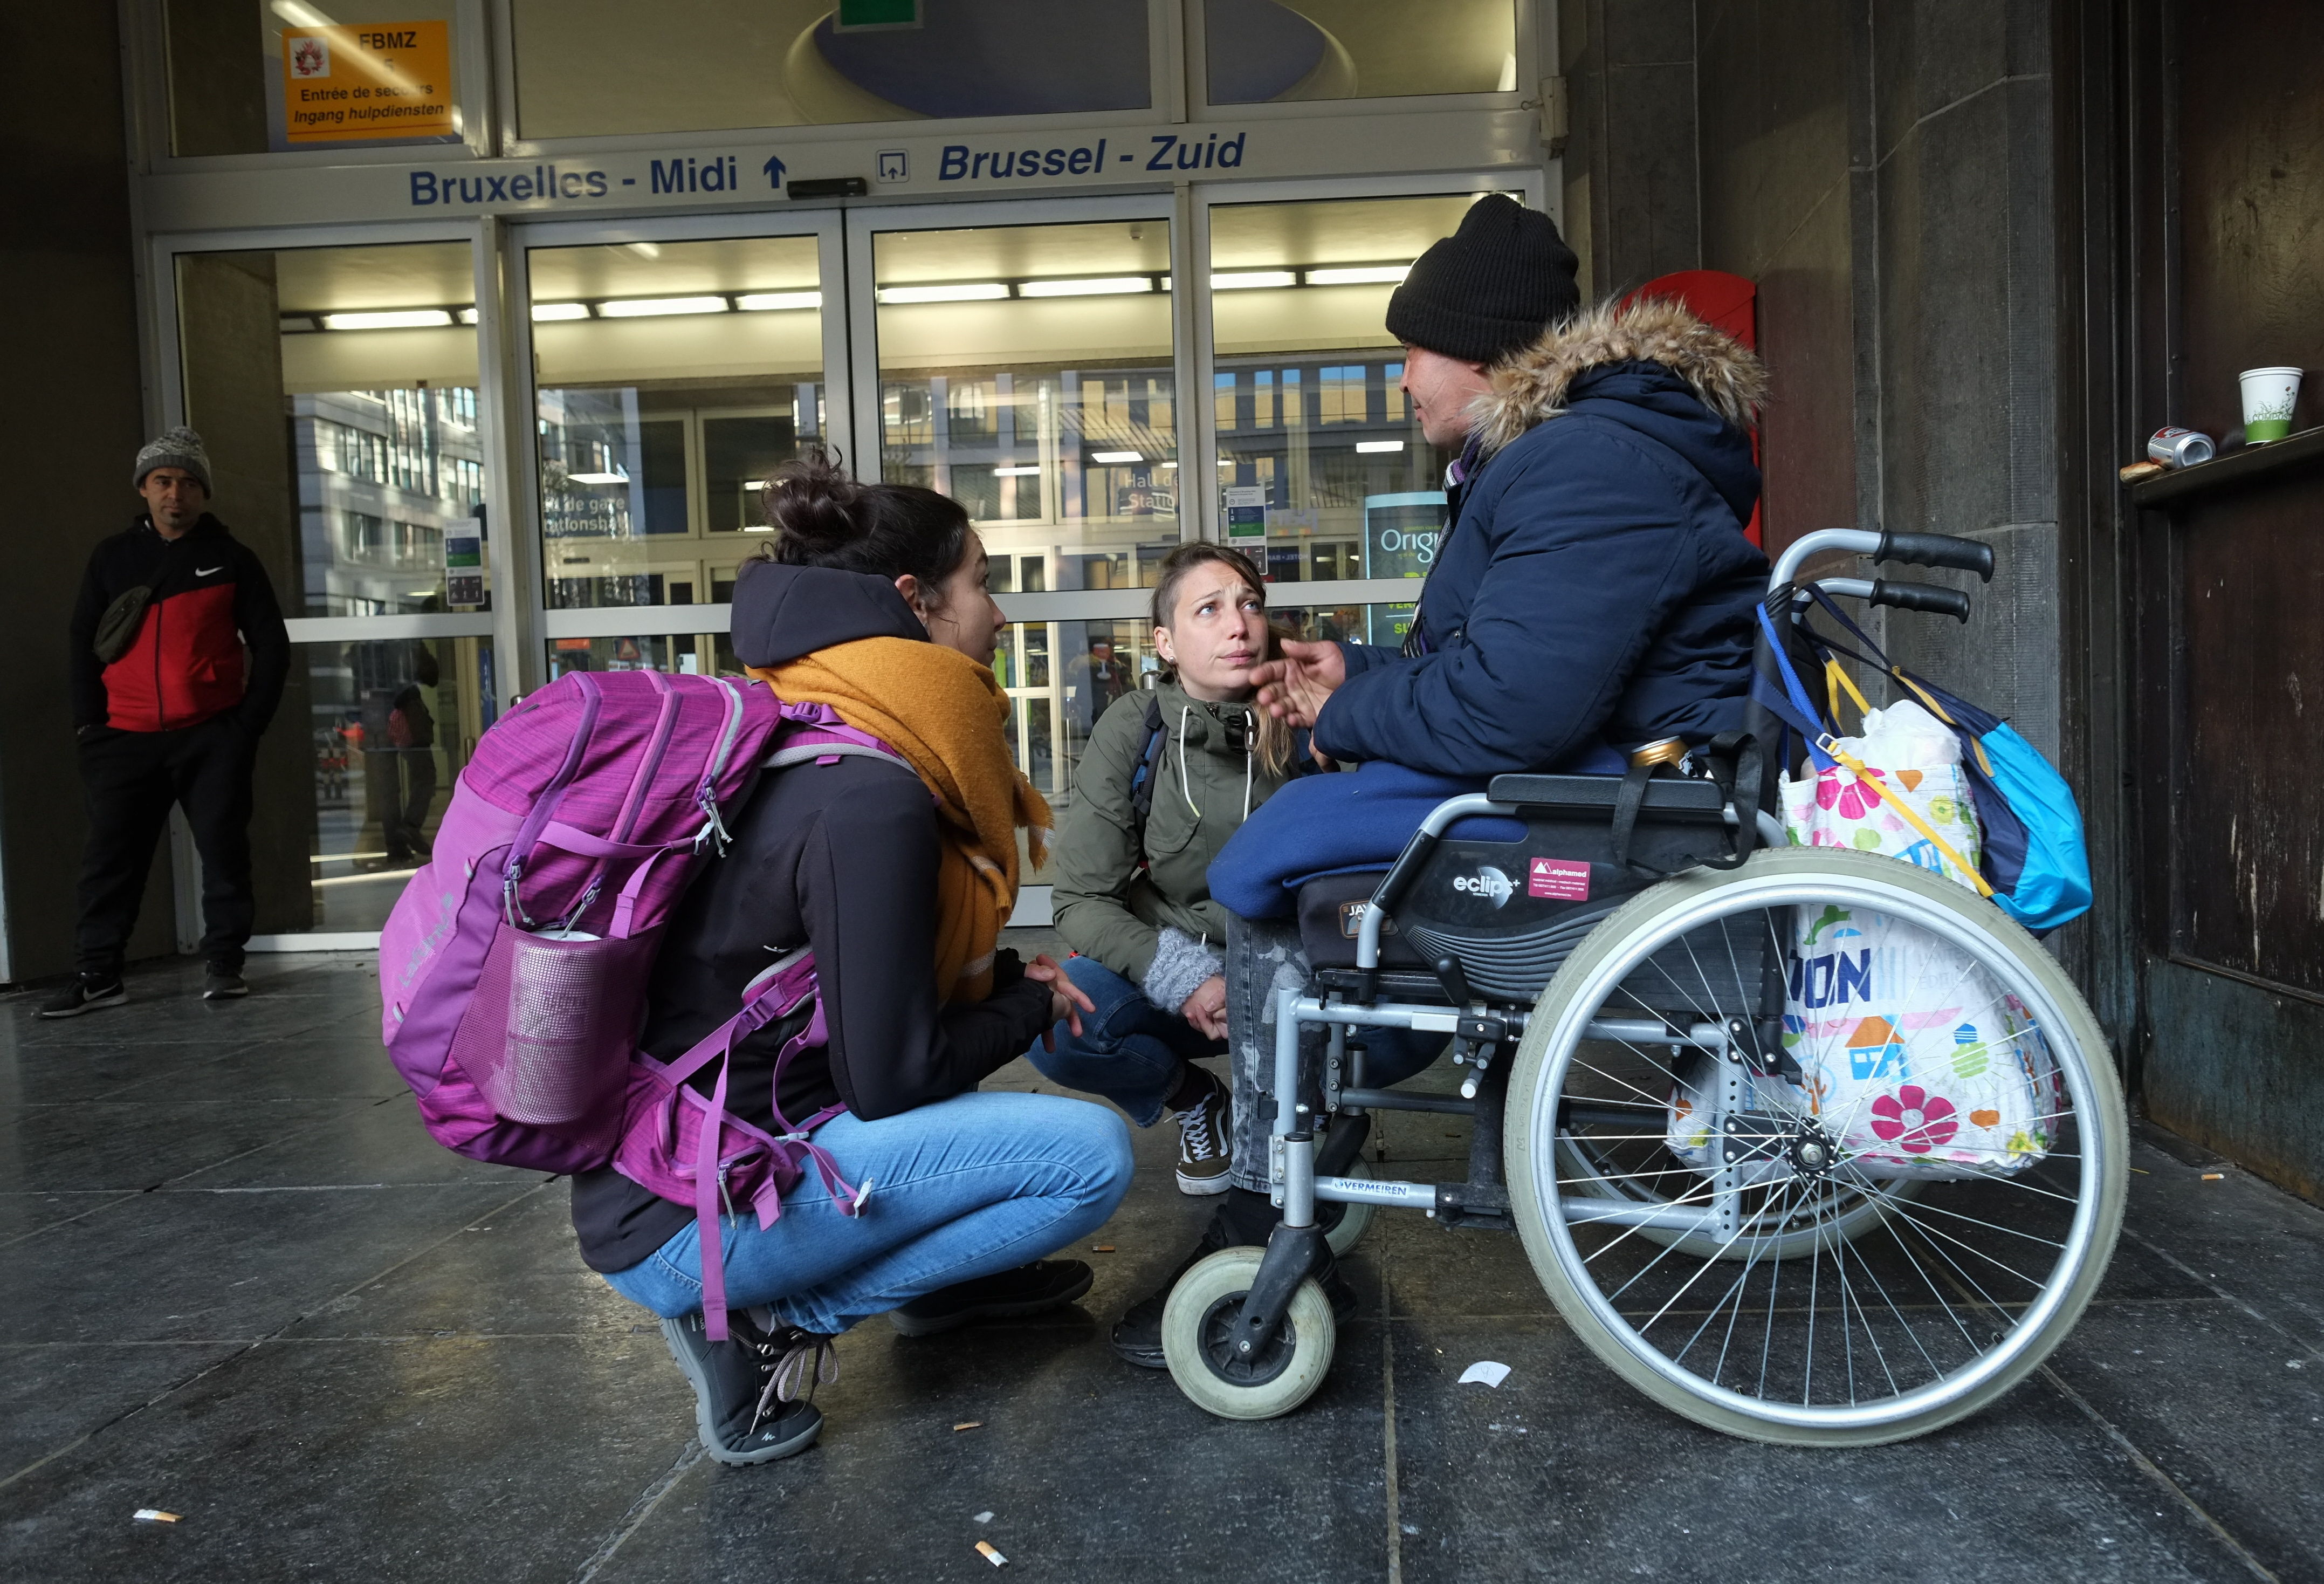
1491,287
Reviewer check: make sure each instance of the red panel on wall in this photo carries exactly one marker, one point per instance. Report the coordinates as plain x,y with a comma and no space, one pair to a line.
1730,303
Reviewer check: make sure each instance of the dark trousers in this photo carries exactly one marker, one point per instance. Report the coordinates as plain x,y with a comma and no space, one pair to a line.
129,780
404,819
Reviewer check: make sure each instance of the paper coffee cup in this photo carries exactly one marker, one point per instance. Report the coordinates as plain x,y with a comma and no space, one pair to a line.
2268,397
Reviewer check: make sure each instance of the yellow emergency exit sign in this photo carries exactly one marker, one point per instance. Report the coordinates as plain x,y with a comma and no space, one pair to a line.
366,80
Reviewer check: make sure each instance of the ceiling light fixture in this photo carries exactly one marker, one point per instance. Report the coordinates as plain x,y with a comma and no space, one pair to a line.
1368,275
1363,447
614,478
959,292
467,316
1250,280
1115,457
656,306
393,318
644,249
553,310
1016,473
767,302
1104,286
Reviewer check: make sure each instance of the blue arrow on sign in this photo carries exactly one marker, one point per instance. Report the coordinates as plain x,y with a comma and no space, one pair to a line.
774,170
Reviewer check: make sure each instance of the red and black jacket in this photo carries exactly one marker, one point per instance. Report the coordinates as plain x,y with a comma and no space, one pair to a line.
187,665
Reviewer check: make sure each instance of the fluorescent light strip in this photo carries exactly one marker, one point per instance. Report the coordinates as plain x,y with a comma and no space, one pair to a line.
960,291
1016,473
467,316
1362,446
1251,280
598,477
542,311
766,302
397,318
1369,275
1107,286
1115,457
656,306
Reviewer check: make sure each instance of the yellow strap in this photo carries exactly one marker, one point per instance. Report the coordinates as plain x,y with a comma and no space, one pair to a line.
1864,779
1835,680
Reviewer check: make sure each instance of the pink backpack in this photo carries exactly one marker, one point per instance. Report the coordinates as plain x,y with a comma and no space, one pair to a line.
514,968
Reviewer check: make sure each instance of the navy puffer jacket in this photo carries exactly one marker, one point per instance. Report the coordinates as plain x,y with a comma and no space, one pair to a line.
1595,590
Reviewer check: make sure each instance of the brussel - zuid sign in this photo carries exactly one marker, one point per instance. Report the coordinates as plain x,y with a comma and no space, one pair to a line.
710,174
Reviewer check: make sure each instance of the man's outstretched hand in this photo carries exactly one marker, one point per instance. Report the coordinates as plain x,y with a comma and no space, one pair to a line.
1295,688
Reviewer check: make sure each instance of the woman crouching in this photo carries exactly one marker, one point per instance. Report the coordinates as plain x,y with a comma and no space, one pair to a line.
871,599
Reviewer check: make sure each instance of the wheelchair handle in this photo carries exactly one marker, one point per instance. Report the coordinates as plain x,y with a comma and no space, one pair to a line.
1924,596
1937,550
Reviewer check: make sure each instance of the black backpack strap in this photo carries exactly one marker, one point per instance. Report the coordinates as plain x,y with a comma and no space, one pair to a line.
1149,766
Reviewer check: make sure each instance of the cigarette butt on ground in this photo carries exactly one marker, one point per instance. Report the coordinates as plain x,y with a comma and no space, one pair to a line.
968,1424
984,1549
2215,1176
153,1515
1101,1248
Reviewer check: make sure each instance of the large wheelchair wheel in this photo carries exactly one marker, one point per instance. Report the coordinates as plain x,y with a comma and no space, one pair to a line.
1803,1295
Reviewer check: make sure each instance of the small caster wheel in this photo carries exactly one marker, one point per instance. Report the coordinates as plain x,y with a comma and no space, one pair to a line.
1355,1221
1195,1326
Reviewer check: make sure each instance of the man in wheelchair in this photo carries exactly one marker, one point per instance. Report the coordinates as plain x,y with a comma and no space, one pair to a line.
1593,594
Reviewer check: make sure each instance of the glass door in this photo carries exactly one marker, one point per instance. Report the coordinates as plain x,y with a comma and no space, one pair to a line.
1021,358
675,368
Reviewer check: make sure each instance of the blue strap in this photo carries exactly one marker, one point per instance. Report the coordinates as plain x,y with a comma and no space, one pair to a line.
1799,712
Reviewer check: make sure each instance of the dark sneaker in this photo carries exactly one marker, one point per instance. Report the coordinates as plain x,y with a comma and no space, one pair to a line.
751,1392
1203,1144
219,985
85,993
1049,1283
1137,1335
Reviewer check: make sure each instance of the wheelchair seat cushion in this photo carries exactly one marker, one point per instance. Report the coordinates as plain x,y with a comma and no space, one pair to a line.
1332,914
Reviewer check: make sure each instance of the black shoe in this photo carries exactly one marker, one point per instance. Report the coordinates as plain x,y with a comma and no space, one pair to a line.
1137,1335
223,985
85,993
752,1391
1047,1284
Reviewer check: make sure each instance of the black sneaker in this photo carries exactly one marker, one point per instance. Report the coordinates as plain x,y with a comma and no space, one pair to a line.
752,1391
1244,1221
1205,1149
223,985
85,993
1047,1284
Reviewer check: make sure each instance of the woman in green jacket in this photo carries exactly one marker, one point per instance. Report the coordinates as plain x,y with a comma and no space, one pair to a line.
1168,775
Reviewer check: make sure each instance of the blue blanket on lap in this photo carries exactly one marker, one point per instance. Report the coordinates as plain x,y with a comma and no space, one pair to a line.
1329,824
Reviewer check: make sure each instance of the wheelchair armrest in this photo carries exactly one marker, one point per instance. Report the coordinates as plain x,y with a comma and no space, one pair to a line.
1592,797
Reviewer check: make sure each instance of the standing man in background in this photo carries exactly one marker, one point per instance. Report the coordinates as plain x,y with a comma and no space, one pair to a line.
168,709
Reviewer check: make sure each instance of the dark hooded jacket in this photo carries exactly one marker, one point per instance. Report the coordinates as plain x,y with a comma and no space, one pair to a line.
1595,589
841,857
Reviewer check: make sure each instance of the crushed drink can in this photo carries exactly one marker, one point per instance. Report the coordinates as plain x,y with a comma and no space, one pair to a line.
2179,448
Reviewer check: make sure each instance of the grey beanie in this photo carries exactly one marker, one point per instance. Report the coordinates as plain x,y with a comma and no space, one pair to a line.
177,447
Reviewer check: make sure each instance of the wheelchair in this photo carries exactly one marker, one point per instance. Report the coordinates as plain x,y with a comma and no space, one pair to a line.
1635,945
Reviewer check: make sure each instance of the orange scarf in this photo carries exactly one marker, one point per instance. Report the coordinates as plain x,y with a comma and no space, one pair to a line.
948,717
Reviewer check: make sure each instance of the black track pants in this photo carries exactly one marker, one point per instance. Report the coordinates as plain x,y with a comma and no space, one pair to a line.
129,780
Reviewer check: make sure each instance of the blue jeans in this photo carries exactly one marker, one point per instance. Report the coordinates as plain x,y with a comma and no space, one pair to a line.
966,1188
1130,1050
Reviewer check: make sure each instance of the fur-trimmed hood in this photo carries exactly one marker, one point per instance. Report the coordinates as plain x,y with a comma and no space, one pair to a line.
1531,386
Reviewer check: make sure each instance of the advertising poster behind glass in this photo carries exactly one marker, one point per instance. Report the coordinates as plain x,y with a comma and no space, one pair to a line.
1400,535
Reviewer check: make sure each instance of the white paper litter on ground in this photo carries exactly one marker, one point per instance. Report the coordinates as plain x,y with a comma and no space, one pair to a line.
1487,1371
981,1518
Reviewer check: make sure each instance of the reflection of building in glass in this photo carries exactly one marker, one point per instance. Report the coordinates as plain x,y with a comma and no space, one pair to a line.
636,481
382,475
1091,450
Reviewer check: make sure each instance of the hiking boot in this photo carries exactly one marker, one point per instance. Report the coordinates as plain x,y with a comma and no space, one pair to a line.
85,993
751,1392
223,985
1204,1149
1244,1221
1049,1283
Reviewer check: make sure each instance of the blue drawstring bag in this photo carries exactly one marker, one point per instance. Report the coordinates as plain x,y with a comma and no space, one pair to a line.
2034,856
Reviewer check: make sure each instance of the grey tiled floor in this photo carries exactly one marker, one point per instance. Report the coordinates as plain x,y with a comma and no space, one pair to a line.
237,1282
